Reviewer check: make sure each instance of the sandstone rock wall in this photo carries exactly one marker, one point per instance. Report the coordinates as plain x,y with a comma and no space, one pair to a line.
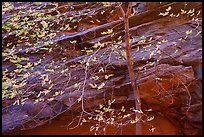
167,58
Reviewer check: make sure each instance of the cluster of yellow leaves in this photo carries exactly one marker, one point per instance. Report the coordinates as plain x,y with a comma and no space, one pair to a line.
95,77
98,44
102,12
96,86
109,31
44,79
165,13
106,4
150,118
152,129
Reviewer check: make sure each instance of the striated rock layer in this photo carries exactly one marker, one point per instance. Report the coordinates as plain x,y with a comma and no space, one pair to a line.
167,59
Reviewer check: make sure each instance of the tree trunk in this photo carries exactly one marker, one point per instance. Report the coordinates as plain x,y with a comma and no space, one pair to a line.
130,67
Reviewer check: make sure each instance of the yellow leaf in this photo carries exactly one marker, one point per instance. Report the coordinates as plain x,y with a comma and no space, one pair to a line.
109,31
94,58
49,70
98,20
123,52
46,91
46,43
46,79
76,85
123,109
120,42
169,8
92,128
137,49
149,109
164,41
90,117
198,13
132,121
101,70
101,86
177,15
16,102
152,129
87,63
150,118
39,94
102,12
106,4
13,61
198,33
42,76
188,32
151,64
95,77
56,93
28,65
183,11
171,15
79,99
42,35
18,70
100,106
191,11
107,76
50,86
164,14
37,72
142,41
92,21
45,24
89,51
84,120
73,42
25,75
50,99
72,66
93,85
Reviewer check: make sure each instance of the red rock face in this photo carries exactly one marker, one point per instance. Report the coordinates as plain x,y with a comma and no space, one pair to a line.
59,127
166,55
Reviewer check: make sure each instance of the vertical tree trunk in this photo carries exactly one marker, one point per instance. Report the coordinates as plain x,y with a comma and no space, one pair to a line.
130,67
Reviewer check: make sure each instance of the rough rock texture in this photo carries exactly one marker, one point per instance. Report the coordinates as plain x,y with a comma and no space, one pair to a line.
167,63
